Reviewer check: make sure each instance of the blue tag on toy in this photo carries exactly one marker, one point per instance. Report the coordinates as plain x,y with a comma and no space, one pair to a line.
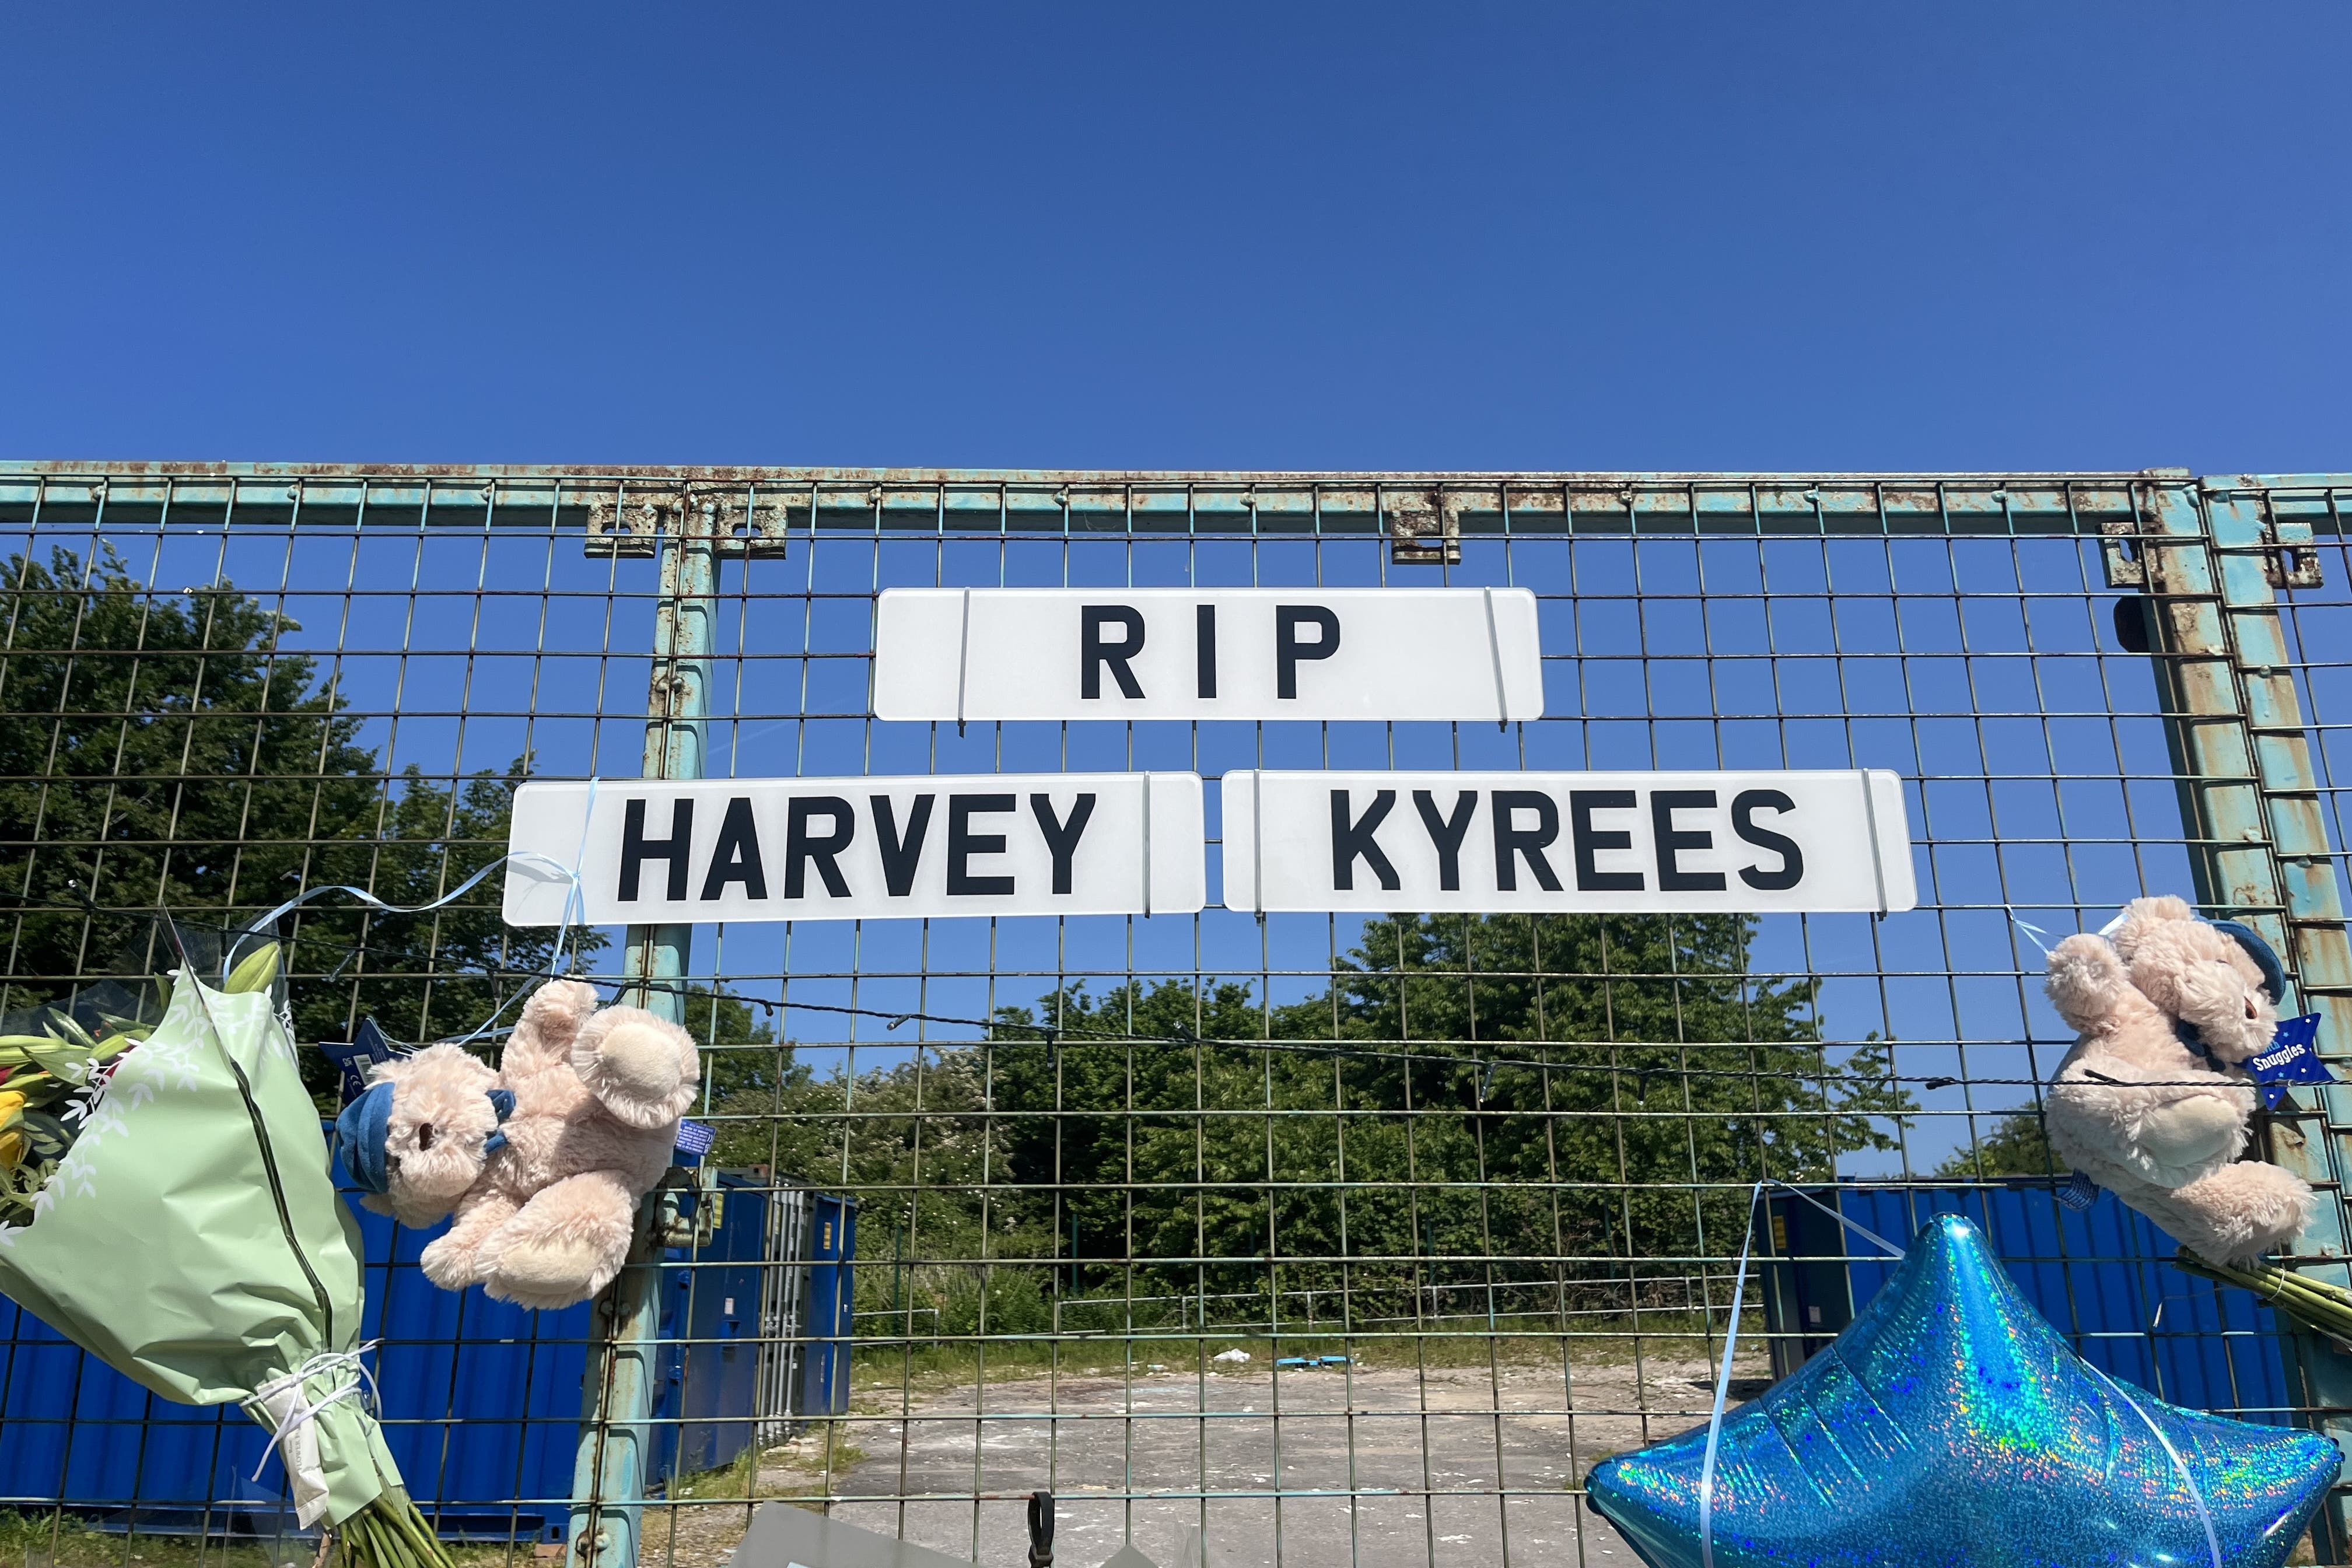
368,1046
2079,1192
695,1138
2293,1058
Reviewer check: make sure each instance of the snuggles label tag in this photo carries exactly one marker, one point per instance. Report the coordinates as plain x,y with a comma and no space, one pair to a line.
2292,1056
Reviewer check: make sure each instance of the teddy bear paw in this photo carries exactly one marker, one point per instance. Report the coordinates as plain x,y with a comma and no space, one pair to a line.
450,1264
548,1274
2242,1210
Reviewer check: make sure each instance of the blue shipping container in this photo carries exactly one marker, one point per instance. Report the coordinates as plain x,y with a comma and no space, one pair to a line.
480,1400
2101,1277
833,1246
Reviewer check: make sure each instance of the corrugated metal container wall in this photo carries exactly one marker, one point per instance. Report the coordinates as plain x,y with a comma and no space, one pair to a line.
480,1399
2103,1275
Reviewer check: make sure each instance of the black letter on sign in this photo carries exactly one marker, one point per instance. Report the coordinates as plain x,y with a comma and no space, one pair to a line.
1351,838
801,847
1511,840
637,848
964,844
1062,837
1447,833
1094,652
1672,877
1792,859
902,855
736,857
1204,647
1582,804
1288,650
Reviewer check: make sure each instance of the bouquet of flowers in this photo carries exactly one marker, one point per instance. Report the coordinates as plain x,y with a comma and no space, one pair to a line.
165,1202
50,1081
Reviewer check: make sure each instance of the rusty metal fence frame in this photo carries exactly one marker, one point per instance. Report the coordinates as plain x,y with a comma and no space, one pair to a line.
2095,684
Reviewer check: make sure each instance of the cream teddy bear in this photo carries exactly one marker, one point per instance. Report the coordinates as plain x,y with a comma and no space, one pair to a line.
546,1196
2152,1102
417,1138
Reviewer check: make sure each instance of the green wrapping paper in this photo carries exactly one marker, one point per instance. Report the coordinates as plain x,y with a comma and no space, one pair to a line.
192,1240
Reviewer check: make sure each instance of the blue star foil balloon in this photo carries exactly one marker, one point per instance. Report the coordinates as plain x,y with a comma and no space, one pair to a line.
1949,1426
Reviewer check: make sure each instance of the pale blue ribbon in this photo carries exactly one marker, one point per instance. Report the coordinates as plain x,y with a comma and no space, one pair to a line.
2204,1514
1731,1343
2034,934
573,899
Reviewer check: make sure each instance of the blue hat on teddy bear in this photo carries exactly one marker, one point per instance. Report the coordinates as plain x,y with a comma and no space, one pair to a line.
365,1126
360,1133
2265,957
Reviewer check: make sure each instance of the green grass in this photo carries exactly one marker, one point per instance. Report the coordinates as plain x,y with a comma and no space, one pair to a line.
62,1541
58,1539
786,1470
924,1368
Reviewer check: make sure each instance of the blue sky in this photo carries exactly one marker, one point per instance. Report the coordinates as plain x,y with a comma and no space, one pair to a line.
1663,237
1830,236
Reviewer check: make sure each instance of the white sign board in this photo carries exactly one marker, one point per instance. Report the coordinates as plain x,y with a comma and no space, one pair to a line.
1399,654
1696,842
774,850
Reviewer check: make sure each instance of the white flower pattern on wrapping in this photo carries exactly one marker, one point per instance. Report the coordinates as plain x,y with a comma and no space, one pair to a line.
128,1082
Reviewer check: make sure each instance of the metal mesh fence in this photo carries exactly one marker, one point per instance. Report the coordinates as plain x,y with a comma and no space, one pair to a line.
1334,1241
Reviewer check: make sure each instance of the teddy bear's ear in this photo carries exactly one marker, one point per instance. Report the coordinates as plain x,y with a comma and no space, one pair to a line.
2088,981
2140,914
556,1009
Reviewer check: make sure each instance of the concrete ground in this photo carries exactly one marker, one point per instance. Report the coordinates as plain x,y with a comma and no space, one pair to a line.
1422,1452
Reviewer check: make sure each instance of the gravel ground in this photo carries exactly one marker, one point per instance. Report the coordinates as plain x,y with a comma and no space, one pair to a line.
1398,1435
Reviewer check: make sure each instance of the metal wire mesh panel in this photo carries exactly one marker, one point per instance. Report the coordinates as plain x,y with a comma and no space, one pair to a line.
1330,1240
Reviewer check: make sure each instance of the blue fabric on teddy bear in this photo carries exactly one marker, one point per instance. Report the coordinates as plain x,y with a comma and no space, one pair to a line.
365,1124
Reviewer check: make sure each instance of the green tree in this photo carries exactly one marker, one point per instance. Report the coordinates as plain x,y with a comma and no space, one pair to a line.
165,754
170,757
1660,1075
1494,1091
1085,1113
426,976
2017,1145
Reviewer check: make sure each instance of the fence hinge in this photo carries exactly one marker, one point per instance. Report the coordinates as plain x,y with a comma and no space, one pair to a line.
2124,541
695,1230
736,517
1424,527
2290,559
2119,551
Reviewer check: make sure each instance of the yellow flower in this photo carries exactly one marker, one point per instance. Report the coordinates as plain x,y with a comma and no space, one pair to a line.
12,1150
11,1102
